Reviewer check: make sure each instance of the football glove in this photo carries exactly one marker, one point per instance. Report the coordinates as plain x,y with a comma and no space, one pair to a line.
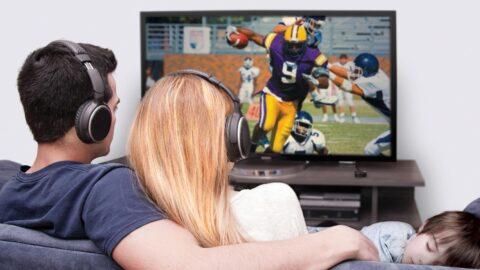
318,72
230,30
309,78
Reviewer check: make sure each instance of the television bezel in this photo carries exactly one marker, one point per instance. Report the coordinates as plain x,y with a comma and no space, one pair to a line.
337,13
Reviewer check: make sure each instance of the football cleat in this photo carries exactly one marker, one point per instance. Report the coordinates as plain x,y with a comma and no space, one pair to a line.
325,118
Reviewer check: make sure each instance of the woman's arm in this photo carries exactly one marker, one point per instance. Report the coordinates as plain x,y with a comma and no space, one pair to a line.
165,245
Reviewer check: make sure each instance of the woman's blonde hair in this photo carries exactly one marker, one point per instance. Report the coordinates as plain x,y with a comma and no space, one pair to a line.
177,149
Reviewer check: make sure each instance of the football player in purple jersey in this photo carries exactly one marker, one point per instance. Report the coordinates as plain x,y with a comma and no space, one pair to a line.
290,60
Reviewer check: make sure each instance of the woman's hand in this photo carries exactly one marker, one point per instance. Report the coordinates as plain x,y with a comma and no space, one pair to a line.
350,243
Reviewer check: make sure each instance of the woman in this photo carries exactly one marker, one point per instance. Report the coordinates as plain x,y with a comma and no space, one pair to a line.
178,149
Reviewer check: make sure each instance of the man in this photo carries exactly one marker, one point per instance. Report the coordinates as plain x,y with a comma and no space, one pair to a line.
150,81
370,82
304,139
65,196
248,74
290,59
346,97
331,92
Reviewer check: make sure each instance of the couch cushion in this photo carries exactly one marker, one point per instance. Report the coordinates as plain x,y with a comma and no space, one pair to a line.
474,208
358,265
28,249
7,170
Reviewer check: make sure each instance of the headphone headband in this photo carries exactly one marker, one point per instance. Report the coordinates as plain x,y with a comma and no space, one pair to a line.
98,85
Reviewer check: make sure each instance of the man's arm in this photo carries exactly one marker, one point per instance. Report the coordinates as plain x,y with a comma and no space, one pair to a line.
346,84
338,70
252,35
282,27
279,28
166,245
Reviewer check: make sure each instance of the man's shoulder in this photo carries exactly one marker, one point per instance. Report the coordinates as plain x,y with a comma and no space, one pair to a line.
276,41
107,172
90,174
99,169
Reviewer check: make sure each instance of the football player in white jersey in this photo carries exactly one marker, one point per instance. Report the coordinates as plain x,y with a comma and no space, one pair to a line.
371,83
248,73
346,97
149,82
304,139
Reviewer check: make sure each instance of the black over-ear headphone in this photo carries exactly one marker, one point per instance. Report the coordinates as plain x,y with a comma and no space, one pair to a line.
237,135
93,118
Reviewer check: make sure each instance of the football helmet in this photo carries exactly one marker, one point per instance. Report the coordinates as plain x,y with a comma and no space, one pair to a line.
247,63
302,127
314,23
366,65
295,40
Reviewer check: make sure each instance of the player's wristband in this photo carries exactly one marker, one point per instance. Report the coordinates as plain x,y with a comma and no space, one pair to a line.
332,75
347,85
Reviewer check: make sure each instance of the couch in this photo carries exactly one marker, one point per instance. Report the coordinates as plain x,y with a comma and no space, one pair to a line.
22,248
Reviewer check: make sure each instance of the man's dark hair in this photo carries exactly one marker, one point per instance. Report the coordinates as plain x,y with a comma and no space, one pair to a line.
343,56
463,240
53,84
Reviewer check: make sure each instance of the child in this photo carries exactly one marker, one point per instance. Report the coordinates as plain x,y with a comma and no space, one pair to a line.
450,239
272,212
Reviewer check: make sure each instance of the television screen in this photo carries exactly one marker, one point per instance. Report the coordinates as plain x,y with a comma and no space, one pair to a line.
315,85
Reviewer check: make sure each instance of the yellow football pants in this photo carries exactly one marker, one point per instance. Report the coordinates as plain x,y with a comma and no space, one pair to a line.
278,116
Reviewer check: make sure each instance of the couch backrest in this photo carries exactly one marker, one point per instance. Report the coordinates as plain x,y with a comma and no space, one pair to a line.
7,170
28,249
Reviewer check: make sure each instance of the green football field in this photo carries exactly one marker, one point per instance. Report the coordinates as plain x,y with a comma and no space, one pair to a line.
345,138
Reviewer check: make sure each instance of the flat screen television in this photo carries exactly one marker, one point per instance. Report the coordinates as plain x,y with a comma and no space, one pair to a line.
315,85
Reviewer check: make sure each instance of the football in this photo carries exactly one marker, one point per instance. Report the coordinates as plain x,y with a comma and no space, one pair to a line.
238,40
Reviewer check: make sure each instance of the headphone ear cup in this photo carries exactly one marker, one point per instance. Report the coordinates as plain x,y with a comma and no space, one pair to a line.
230,139
100,122
81,122
92,122
237,137
245,141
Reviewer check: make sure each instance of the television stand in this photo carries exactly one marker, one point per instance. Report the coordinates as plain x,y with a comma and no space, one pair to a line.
387,190
267,168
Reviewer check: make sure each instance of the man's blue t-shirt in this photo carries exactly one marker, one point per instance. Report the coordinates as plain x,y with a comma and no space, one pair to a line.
72,200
